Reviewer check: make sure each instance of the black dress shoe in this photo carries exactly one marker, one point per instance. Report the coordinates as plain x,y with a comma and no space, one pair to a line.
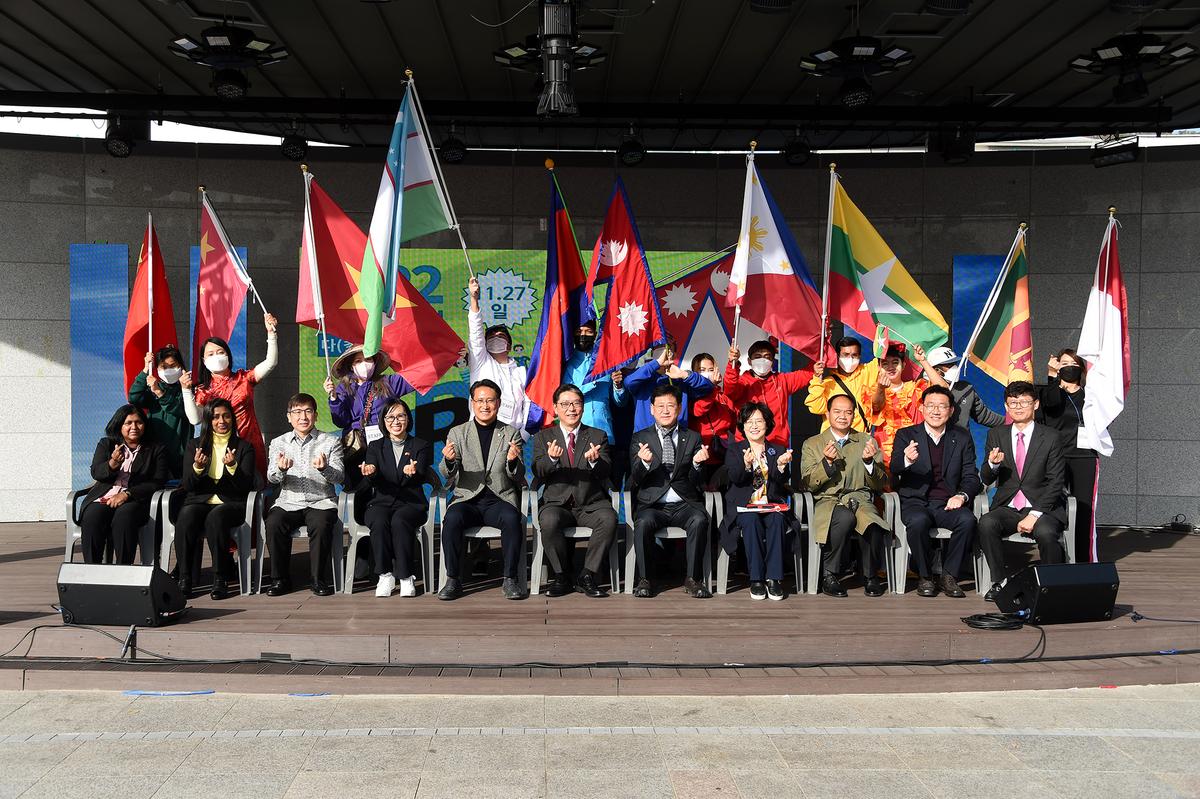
695,589
926,587
219,590
950,586
451,590
643,590
185,587
990,596
321,589
279,588
758,590
511,589
559,586
875,587
586,585
832,586
775,589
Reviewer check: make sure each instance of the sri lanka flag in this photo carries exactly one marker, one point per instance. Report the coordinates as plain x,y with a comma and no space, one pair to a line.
562,312
1002,345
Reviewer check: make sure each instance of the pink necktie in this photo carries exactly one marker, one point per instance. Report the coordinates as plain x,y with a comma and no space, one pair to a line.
571,448
1019,501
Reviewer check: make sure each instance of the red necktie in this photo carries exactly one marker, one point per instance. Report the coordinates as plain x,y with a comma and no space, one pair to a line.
571,448
1019,501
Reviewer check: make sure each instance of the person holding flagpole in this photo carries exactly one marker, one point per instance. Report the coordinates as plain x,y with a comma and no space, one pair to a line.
156,390
489,358
848,375
1062,400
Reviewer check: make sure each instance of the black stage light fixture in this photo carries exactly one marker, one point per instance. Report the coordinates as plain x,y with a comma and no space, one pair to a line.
453,150
631,151
1128,56
294,147
771,6
122,134
554,54
855,92
230,84
1131,86
796,151
856,59
955,144
228,51
947,8
1115,151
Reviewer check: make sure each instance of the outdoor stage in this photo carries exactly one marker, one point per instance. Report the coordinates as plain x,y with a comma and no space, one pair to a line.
625,645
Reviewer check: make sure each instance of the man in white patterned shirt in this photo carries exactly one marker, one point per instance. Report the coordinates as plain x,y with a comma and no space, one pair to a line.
306,464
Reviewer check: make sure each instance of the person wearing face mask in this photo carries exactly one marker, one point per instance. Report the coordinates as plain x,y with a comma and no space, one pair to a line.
356,400
714,418
893,402
128,468
849,377
600,395
968,404
489,358
156,391
1062,409
763,384
216,378
661,369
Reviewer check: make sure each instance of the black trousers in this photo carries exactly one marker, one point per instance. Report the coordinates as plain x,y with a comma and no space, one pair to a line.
485,509
922,516
763,534
393,532
1000,522
122,526
599,516
648,520
281,523
1081,482
842,523
200,521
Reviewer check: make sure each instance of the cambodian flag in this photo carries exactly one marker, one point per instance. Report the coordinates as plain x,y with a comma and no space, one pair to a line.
562,312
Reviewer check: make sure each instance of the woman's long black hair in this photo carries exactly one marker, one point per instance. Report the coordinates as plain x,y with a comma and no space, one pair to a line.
113,428
203,376
206,431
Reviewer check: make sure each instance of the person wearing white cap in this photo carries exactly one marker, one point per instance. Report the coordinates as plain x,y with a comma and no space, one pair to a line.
968,404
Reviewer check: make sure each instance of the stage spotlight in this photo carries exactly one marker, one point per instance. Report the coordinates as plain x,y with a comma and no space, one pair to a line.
796,151
294,147
1131,86
955,145
1115,151
230,84
117,140
855,93
453,149
631,151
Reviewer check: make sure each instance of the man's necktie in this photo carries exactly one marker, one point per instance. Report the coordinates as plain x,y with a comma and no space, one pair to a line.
571,448
668,451
1019,500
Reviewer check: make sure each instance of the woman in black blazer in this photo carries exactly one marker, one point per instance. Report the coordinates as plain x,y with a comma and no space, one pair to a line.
128,469
396,466
218,473
759,472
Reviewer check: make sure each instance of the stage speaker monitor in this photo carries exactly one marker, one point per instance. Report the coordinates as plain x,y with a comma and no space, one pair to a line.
1062,593
93,593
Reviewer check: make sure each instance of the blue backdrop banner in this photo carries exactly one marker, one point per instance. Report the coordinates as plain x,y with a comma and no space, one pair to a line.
974,276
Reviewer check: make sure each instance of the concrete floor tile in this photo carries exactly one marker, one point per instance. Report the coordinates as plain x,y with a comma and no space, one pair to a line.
1187,784
492,711
125,758
1162,754
1067,753
960,752
245,785
718,751
703,783
835,751
843,783
701,711
247,756
56,786
483,752
11,789
492,784
385,711
392,784
32,761
982,784
597,711
630,783
601,752
171,713
767,782
279,713
806,711
1103,784
369,754
72,712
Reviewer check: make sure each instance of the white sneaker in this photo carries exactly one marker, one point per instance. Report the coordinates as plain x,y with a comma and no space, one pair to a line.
386,585
408,586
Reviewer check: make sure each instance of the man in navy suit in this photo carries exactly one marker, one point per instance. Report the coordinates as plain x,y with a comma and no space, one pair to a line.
933,470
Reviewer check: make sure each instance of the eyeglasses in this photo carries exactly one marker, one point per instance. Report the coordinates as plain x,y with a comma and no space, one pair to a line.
937,407
570,406
303,412
486,402
396,418
1018,403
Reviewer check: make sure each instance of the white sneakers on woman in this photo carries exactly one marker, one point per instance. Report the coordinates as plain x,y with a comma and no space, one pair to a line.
408,586
387,584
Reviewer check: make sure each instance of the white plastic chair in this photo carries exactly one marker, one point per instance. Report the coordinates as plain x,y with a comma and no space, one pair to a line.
145,535
538,573
903,550
716,509
357,531
485,532
813,551
243,535
334,553
667,533
983,572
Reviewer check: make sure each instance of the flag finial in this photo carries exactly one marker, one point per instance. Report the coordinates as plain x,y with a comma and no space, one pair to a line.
1023,226
304,168
1112,209
200,188
832,166
550,164
408,74
753,145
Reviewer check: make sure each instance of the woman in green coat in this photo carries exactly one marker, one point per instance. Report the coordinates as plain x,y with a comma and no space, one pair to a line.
156,390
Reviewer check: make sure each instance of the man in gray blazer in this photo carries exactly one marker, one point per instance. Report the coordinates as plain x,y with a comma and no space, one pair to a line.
1025,461
481,464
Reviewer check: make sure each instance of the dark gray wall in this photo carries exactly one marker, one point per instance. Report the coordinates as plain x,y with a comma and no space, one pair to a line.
58,192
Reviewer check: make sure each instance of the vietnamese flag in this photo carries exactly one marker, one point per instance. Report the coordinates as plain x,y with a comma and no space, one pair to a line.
632,321
150,325
562,312
221,284
421,344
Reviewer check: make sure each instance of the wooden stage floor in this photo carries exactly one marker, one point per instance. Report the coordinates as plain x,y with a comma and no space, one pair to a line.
669,644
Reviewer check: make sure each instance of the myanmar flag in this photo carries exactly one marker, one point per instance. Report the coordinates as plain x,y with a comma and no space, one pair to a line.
1003,342
868,286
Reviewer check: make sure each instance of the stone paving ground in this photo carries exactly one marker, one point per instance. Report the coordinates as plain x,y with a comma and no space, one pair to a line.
1123,742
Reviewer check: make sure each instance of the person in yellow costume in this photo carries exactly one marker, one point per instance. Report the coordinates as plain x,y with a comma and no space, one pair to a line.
892,402
848,376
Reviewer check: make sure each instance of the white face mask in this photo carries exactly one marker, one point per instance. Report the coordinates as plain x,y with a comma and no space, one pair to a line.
216,363
364,369
496,345
170,375
951,374
761,366
848,364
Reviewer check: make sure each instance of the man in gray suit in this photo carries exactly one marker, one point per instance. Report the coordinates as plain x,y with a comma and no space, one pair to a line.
572,463
1025,461
481,463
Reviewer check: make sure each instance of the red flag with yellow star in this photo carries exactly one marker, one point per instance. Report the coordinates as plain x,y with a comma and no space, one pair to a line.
221,284
421,344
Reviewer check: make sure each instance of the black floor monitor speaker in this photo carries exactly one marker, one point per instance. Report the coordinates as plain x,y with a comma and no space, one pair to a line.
93,593
1061,593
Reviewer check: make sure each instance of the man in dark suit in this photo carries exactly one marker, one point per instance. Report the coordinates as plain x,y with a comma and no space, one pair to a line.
665,480
933,471
1025,461
572,462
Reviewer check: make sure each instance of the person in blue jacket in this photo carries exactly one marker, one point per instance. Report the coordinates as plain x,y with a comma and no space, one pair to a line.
599,395
661,368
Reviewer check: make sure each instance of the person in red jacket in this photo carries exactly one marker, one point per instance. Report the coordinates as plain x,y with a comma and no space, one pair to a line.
763,384
714,417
